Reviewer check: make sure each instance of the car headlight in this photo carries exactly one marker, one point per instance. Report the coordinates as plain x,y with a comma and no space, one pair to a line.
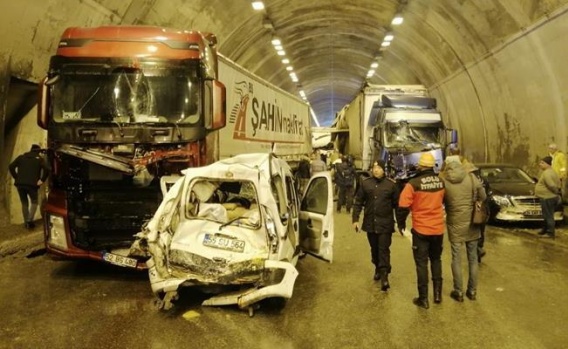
272,235
502,201
56,232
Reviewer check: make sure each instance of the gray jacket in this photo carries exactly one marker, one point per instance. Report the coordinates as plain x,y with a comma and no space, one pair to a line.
458,200
548,185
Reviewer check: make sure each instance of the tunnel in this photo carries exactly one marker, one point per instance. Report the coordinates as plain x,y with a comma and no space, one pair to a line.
495,67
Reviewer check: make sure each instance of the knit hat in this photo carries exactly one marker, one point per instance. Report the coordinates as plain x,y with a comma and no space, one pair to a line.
547,159
427,160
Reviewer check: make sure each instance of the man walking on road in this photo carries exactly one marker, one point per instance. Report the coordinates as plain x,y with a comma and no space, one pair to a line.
423,195
462,189
379,196
29,171
345,175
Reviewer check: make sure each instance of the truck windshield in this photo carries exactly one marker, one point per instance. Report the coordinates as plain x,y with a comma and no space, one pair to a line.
413,134
126,95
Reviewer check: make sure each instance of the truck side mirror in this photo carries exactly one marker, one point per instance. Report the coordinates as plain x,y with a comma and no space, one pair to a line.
215,105
453,135
43,104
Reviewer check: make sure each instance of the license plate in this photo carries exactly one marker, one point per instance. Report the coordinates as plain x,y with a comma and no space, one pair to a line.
120,260
224,243
533,213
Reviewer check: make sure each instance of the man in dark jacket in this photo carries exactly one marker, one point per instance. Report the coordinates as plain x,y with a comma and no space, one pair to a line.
345,175
29,171
379,195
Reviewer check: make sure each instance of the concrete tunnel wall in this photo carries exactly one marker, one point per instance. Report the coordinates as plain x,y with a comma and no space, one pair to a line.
504,94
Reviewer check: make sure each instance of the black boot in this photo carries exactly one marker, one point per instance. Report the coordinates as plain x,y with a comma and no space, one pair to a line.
421,302
377,275
384,280
437,292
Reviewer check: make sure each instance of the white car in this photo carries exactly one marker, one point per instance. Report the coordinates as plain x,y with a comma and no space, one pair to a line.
239,221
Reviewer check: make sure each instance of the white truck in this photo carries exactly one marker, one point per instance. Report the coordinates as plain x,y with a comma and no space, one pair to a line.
395,124
261,117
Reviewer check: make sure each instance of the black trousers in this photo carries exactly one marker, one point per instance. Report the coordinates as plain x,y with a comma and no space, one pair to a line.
424,248
380,250
345,197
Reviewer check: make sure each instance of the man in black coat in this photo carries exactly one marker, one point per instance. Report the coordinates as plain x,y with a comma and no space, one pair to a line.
29,171
345,175
379,195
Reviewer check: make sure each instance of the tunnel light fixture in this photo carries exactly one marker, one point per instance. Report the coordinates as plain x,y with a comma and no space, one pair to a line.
294,77
285,61
258,5
302,94
370,73
278,47
289,68
276,41
267,23
281,53
388,36
374,65
314,116
385,43
398,19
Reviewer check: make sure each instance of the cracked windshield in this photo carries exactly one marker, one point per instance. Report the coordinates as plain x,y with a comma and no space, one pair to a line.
127,95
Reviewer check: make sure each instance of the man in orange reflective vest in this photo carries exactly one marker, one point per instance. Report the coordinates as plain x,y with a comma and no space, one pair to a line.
423,195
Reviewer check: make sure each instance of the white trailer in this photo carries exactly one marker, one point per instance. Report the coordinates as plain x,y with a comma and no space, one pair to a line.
262,117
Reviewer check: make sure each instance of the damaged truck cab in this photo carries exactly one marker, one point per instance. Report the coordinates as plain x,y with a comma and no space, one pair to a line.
237,225
123,106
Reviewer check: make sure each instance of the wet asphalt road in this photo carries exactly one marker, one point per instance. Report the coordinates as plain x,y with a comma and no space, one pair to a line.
522,303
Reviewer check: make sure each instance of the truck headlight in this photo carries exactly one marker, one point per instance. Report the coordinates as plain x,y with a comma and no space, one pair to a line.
56,232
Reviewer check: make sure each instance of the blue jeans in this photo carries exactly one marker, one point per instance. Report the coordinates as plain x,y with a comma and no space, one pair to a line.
471,247
548,206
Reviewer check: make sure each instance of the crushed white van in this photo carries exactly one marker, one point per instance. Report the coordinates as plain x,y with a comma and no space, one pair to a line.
237,222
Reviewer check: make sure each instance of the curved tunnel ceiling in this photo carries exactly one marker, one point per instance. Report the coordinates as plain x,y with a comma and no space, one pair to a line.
330,43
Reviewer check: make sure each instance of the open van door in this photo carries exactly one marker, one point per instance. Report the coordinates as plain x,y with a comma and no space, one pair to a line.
316,217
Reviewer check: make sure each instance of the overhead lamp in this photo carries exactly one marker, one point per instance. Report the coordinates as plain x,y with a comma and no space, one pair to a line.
258,5
289,68
303,94
385,43
374,65
285,61
276,41
278,47
398,19
267,23
389,36
281,53
370,73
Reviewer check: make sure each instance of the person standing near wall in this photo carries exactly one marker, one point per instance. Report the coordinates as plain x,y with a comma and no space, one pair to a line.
547,189
379,196
462,189
559,166
423,195
29,171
